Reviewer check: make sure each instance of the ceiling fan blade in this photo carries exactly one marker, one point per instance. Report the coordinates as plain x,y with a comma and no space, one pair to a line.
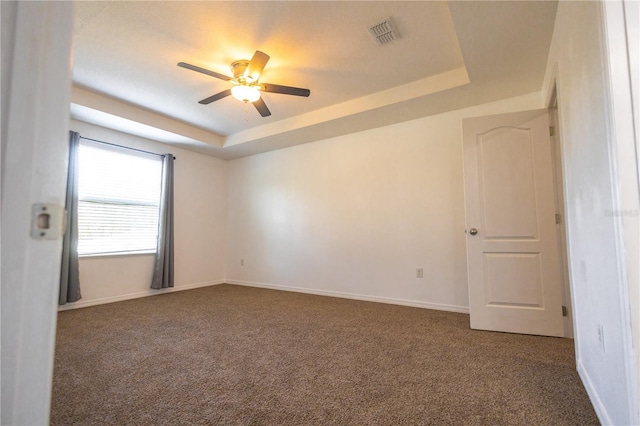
256,65
215,97
285,90
262,108
204,71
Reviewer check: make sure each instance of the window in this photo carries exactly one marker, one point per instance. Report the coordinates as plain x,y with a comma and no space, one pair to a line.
118,199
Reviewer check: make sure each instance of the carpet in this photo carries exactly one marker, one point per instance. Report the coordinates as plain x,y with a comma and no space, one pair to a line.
234,355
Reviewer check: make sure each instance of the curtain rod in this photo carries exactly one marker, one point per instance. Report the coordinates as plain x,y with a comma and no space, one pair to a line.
125,147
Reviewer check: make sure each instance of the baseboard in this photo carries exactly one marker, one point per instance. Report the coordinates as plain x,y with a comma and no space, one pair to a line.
354,296
120,298
599,408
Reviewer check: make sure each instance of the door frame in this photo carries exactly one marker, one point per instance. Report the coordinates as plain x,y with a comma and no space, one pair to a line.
36,77
553,104
553,100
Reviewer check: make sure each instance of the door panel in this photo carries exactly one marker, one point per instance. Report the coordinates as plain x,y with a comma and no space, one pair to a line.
513,263
507,175
513,279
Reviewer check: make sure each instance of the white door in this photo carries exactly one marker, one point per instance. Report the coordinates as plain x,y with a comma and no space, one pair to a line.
513,262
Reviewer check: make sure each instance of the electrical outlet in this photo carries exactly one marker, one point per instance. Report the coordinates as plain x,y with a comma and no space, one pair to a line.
601,336
419,273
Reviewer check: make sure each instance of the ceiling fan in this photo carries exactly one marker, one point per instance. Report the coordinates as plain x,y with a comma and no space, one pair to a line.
247,88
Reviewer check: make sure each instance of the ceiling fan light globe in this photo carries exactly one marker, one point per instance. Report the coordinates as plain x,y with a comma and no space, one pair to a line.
245,93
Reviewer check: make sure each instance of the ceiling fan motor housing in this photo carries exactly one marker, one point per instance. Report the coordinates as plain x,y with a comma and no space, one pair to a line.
238,69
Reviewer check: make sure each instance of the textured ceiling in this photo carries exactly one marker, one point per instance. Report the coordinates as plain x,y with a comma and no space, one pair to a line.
449,55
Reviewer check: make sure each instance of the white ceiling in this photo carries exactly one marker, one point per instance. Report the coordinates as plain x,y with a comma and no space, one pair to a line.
449,55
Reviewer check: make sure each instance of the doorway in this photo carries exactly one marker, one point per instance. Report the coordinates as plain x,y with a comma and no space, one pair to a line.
516,243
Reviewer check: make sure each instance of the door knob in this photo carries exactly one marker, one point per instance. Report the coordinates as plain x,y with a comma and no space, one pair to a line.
473,231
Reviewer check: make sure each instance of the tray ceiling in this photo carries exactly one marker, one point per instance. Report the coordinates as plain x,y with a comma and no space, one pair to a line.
448,55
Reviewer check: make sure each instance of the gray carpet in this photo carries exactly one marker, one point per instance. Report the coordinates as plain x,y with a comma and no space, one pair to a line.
244,356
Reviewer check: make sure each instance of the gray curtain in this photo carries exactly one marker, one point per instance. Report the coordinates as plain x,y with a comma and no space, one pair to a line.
163,268
69,272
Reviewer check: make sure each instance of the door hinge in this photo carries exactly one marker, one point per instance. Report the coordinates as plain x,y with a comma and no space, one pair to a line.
558,219
552,131
564,311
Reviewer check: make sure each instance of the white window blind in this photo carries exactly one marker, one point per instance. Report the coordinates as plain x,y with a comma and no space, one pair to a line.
118,199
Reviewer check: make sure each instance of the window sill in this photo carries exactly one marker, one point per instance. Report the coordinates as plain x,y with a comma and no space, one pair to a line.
120,254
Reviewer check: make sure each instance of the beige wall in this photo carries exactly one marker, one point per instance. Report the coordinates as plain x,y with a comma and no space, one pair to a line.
354,216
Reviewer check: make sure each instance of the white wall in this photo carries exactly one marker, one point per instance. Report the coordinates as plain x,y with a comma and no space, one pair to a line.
200,228
622,30
356,215
599,286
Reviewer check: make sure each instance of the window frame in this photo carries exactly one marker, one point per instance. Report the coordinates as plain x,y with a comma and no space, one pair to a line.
130,152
